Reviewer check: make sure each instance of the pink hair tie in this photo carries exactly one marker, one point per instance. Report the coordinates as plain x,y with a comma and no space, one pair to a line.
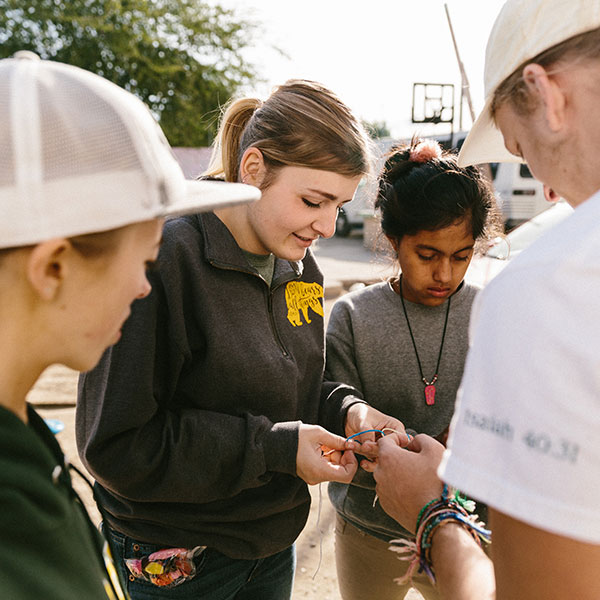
425,151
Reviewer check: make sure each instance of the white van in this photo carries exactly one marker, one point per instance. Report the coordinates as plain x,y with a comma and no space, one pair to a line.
519,194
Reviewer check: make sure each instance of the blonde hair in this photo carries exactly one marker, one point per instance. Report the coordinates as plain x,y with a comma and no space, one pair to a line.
582,47
301,124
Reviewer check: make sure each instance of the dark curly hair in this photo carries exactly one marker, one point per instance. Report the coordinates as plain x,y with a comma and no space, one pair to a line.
415,196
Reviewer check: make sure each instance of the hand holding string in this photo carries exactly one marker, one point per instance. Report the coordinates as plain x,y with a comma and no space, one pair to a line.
364,425
323,456
407,480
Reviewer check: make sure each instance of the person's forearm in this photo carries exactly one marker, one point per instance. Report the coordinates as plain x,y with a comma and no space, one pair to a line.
461,567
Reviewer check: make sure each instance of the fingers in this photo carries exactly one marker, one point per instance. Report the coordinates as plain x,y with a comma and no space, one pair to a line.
417,443
342,473
322,456
322,437
370,450
331,454
396,428
369,423
442,437
368,465
322,469
349,460
365,445
427,445
406,478
365,435
392,425
393,440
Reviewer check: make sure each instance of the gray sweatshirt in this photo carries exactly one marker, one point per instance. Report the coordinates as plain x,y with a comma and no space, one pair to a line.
369,347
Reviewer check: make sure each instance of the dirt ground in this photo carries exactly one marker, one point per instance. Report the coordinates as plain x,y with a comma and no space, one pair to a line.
316,579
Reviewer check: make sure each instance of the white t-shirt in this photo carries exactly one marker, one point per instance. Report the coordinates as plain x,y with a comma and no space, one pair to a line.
525,437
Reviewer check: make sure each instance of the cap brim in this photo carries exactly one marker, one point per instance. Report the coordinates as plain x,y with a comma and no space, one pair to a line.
204,196
484,143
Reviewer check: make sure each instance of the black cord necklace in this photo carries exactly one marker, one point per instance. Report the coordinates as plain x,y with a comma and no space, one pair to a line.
429,385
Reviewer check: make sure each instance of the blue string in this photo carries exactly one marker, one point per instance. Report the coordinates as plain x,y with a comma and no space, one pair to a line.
365,431
373,431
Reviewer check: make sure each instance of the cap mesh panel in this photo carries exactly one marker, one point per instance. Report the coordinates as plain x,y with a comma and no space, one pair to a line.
77,128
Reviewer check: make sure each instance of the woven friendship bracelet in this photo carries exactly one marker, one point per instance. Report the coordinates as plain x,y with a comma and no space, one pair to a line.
450,507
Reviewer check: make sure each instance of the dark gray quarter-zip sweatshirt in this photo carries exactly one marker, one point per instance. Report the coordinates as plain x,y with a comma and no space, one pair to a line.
190,423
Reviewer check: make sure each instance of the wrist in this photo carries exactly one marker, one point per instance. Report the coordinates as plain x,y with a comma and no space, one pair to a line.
352,406
280,446
446,539
446,518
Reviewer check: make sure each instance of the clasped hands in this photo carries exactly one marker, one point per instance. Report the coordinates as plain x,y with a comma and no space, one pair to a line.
405,470
324,456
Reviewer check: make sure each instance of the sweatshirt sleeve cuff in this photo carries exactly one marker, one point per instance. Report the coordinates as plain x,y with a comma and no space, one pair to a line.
336,399
281,447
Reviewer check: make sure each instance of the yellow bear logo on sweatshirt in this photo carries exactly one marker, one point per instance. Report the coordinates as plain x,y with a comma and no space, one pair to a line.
299,297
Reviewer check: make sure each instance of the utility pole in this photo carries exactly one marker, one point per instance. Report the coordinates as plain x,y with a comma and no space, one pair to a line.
465,90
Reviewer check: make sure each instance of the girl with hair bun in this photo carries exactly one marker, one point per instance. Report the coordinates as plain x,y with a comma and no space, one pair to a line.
403,342
199,424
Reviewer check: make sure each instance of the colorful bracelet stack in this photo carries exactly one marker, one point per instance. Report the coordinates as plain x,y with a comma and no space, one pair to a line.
452,507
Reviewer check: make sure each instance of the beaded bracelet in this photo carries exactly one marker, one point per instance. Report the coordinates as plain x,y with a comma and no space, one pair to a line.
422,511
450,497
450,507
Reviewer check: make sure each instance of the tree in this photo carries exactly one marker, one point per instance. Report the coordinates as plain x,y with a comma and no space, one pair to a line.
377,129
182,57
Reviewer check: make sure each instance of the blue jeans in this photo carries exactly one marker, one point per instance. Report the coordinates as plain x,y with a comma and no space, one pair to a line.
218,577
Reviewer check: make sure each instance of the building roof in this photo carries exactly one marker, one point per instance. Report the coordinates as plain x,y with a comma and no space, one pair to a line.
193,161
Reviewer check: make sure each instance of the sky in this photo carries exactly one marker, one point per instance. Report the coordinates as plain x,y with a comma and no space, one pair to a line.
370,52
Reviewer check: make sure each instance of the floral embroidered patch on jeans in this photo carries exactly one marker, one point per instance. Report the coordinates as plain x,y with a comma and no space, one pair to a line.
167,567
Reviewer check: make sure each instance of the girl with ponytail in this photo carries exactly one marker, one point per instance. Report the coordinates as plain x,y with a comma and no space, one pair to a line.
200,425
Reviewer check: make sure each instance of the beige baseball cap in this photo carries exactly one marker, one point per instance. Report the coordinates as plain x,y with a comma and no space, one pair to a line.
79,155
523,29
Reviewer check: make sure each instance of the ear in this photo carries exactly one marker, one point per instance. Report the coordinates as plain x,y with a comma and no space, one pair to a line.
549,92
47,267
550,194
252,167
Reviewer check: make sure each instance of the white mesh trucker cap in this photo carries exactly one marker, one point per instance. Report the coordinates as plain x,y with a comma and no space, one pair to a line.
523,29
79,154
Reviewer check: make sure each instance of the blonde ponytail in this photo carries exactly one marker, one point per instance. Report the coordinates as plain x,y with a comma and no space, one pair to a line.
225,157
